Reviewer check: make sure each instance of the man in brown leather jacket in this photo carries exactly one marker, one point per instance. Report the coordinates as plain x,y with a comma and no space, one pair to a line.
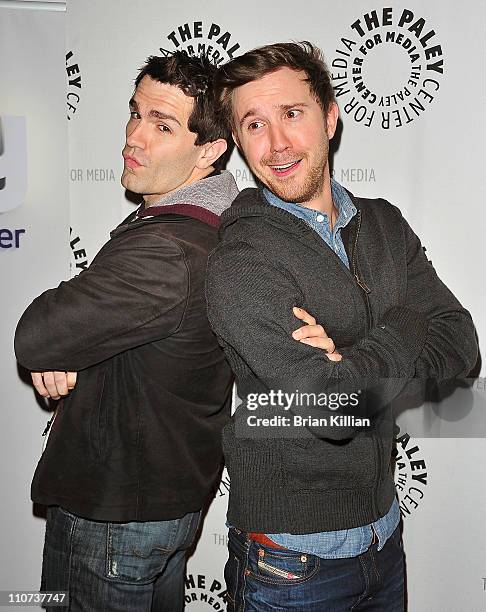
135,447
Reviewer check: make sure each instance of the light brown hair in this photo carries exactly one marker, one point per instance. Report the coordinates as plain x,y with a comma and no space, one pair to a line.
255,64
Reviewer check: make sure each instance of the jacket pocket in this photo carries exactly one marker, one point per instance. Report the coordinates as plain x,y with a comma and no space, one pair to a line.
330,465
98,422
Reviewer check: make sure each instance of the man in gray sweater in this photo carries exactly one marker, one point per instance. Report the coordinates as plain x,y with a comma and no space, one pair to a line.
313,509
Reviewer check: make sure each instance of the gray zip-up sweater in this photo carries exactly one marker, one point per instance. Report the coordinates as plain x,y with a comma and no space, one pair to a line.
390,316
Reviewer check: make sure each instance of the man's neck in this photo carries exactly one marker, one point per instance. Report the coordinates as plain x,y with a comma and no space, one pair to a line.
323,203
154,198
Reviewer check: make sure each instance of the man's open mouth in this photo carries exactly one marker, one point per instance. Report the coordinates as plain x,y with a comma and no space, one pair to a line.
284,169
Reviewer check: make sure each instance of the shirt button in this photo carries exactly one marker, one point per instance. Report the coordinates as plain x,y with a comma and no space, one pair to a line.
320,218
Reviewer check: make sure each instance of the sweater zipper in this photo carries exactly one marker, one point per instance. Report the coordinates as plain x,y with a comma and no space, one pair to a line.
365,292
363,286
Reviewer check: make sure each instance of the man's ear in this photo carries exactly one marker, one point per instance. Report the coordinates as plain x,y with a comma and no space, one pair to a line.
331,119
210,152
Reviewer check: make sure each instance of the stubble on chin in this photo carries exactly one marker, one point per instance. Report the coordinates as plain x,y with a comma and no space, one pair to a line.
291,190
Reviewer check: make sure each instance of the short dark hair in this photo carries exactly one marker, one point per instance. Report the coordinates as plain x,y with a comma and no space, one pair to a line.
255,64
194,75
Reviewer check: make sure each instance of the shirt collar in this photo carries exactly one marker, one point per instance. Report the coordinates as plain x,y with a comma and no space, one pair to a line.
341,199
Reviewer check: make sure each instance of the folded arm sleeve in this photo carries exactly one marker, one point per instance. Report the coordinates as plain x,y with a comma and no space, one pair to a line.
450,348
134,292
250,309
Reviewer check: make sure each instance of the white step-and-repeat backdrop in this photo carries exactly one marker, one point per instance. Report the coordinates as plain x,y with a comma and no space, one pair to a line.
34,255
411,91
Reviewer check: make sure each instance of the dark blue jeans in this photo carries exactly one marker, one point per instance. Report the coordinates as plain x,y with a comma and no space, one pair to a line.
260,578
117,567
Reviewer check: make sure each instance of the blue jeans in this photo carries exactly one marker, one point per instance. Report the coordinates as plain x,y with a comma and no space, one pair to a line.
117,567
260,578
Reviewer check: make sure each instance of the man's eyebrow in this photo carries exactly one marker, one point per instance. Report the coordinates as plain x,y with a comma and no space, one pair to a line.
252,111
248,113
155,113
159,115
293,105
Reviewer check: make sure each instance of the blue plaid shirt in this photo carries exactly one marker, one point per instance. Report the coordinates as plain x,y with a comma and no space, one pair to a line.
345,542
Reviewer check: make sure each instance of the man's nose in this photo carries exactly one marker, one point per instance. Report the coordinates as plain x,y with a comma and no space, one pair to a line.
279,140
136,134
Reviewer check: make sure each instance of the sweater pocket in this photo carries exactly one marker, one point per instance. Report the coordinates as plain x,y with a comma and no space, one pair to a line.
331,465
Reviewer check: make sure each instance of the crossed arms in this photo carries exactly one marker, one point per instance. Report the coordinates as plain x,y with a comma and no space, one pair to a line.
118,303
428,335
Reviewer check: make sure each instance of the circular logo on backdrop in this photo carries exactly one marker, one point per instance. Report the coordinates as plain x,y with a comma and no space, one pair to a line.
204,38
410,474
387,69
201,588
73,84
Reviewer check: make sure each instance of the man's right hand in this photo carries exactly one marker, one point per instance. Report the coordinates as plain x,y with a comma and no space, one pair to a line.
54,384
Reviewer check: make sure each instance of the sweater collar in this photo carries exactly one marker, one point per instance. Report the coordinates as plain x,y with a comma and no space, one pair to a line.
204,200
251,202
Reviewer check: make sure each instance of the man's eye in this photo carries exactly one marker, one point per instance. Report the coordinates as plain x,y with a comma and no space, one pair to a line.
134,115
255,125
293,113
164,128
